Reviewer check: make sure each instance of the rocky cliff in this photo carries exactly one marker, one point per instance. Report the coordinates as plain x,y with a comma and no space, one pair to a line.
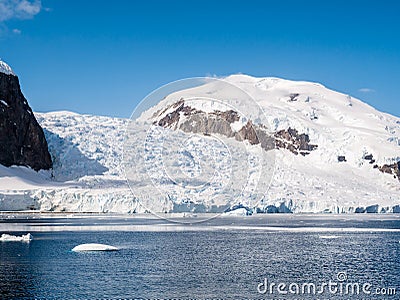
189,119
22,141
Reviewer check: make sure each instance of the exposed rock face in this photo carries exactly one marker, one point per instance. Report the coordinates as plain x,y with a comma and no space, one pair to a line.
192,120
22,141
393,169
197,121
293,141
293,96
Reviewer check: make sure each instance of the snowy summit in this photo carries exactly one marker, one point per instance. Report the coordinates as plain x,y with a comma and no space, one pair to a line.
6,69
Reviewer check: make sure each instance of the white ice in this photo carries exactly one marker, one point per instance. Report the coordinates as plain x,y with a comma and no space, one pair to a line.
328,237
240,212
12,238
94,247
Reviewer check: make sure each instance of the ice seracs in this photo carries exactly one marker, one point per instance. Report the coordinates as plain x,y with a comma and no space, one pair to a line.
94,247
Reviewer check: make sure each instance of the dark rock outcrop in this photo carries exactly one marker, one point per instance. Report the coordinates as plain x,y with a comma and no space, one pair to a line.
219,122
216,122
393,169
293,96
370,157
293,141
22,141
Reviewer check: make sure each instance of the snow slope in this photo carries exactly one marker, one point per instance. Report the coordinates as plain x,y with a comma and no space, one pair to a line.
341,126
87,153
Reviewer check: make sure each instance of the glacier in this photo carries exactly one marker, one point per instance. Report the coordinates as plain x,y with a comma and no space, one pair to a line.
88,173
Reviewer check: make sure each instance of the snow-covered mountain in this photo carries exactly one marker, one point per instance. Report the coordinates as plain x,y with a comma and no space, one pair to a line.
332,153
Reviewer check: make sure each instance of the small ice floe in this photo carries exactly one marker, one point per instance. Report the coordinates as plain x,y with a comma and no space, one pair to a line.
328,237
94,247
240,212
12,238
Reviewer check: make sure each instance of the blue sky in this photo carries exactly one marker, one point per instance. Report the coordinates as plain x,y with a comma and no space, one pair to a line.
103,57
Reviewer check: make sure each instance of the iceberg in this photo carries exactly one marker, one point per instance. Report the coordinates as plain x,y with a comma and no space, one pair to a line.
94,247
240,212
328,237
12,238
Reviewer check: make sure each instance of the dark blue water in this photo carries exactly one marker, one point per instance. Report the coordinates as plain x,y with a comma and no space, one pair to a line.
225,258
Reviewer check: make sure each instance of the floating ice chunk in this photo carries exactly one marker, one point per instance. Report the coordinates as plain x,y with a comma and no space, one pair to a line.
12,238
329,236
240,212
94,247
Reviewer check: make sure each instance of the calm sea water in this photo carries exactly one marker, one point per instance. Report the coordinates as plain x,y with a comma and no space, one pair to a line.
225,258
